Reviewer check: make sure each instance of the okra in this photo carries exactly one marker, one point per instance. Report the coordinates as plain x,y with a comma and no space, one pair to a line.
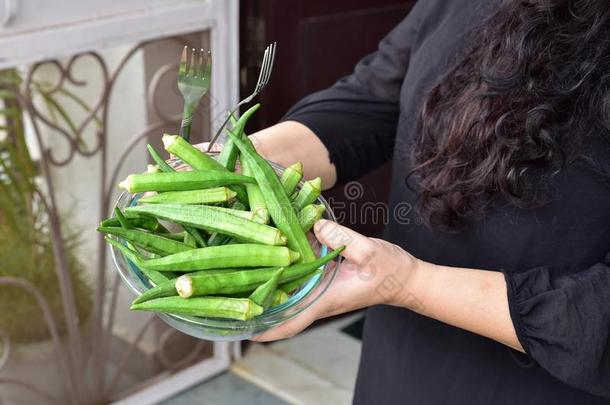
156,277
179,147
255,197
308,193
181,181
196,235
236,205
166,168
161,163
241,309
197,159
204,217
230,282
179,236
164,289
205,196
291,177
149,241
134,220
122,220
279,297
216,238
309,215
277,200
290,286
225,256
249,215
263,295
189,240
228,156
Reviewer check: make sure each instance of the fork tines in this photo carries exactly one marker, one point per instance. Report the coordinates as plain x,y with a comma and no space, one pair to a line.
195,65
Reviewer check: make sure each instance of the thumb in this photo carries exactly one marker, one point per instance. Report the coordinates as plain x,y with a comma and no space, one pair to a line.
358,248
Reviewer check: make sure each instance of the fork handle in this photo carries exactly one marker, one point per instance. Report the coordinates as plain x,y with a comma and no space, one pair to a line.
185,127
224,124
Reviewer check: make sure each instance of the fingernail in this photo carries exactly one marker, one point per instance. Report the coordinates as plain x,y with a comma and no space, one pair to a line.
317,227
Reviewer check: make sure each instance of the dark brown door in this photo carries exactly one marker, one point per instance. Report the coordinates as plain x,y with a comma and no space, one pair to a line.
318,42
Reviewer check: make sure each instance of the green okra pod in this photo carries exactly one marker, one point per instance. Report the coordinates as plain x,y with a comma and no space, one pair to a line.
181,181
290,286
278,202
189,240
249,215
163,289
189,154
263,295
151,242
134,220
309,215
225,256
156,277
204,196
228,155
159,161
198,160
122,220
216,238
241,309
166,168
279,297
196,234
238,281
179,236
308,193
256,201
211,219
291,177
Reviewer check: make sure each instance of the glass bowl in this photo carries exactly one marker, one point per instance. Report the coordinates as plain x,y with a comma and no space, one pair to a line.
219,329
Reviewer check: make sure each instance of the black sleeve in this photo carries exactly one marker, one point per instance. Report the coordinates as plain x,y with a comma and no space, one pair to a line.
356,118
563,323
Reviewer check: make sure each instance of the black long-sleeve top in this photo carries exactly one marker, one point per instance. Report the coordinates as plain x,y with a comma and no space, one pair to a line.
554,258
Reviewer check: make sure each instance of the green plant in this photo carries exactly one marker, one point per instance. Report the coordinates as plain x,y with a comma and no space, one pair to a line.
25,241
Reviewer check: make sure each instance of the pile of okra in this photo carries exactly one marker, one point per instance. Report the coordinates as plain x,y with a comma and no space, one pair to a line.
237,243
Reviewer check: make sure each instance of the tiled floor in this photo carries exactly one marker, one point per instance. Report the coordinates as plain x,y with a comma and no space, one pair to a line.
227,388
317,367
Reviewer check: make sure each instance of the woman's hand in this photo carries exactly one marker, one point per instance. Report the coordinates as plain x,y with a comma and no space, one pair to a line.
374,272
378,272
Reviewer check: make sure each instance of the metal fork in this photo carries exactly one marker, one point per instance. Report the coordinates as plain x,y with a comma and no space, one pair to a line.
193,82
263,79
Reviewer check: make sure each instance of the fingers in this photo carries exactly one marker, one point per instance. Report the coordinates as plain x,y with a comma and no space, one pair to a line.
290,328
358,248
285,330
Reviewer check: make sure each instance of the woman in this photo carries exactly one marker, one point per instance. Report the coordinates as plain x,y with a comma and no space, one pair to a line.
497,117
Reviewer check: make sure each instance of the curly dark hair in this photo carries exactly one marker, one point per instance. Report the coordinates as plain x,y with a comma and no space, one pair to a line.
514,110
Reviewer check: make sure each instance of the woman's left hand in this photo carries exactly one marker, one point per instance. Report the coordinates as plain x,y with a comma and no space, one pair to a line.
374,272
